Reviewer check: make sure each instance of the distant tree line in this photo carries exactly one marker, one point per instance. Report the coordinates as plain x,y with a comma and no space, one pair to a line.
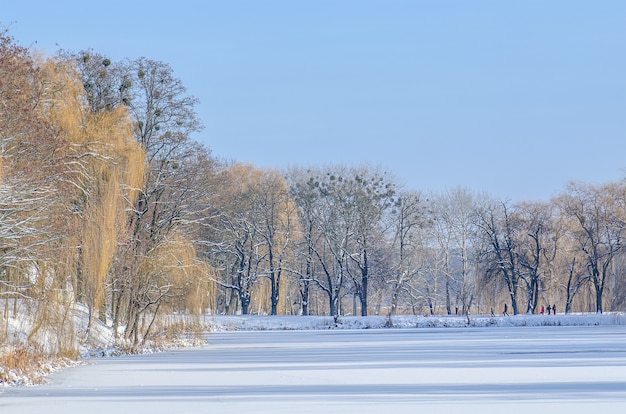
107,201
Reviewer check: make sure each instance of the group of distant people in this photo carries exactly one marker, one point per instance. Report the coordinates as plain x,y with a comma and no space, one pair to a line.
550,309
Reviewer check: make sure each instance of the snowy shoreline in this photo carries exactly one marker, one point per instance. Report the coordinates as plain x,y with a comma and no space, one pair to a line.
262,323
102,334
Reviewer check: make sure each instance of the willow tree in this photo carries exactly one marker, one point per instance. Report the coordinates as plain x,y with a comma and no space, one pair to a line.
176,281
277,223
32,216
237,248
173,192
106,170
19,124
76,168
597,218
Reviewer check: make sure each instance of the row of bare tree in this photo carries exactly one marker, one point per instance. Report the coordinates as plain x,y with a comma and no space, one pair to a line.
340,239
107,201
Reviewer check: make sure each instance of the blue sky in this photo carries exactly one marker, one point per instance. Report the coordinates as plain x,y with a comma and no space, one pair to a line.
515,98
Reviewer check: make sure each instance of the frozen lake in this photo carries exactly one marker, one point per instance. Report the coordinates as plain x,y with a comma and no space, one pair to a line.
446,370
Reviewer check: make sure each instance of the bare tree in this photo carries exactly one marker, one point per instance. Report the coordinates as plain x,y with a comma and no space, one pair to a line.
409,216
576,279
277,221
495,221
106,83
598,226
345,208
304,191
454,228
249,233
33,215
535,242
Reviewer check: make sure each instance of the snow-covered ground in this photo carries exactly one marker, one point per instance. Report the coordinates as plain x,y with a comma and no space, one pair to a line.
248,322
307,365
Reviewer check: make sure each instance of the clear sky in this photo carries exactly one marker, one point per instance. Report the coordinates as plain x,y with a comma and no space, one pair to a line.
514,97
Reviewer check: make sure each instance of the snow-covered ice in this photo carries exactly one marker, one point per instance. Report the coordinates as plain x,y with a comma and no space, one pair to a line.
507,369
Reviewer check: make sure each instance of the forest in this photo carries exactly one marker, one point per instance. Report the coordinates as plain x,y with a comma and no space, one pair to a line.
108,202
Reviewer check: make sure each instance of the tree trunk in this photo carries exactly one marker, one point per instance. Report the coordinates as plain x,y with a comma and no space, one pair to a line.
448,301
363,296
394,298
304,295
274,293
334,304
245,304
514,304
364,284
599,290
599,287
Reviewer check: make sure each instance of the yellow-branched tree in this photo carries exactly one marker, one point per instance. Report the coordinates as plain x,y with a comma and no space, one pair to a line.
34,219
169,203
105,167
251,238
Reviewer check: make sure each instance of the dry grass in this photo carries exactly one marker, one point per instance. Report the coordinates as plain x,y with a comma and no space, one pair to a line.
182,332
28,365
18,364
165,334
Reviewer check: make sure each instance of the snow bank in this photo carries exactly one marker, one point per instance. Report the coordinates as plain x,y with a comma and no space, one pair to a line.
258,323
28,355
19,325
